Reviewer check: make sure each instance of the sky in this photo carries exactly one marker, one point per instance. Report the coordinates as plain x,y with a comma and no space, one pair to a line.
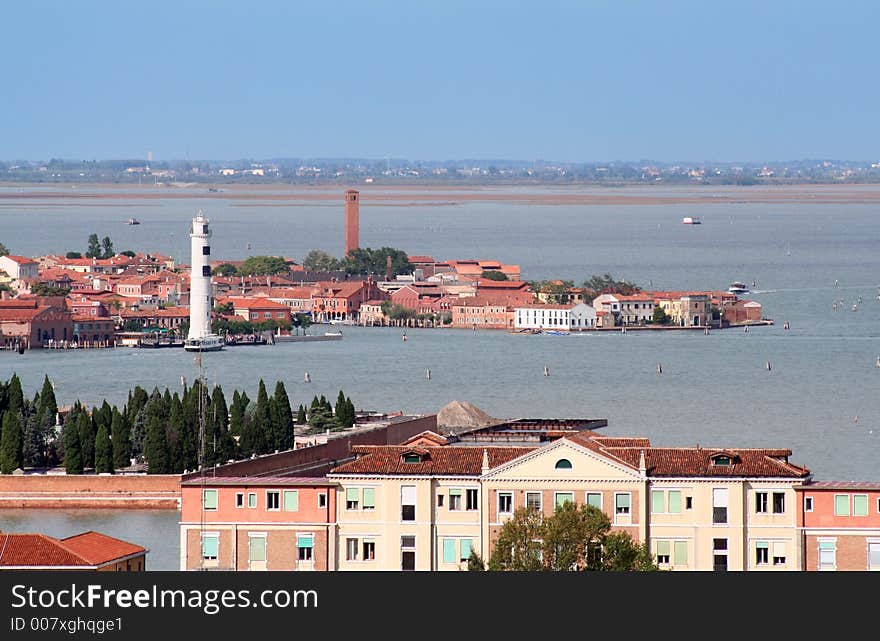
577,81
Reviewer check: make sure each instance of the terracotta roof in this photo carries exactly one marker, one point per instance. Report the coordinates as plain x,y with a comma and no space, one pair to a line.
683,461
843,485
257,481
82,550
421,259
21,260
22,313
97,548
252,303
488,283
443,460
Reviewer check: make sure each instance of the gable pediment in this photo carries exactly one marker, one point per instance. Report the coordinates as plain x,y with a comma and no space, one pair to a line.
564,460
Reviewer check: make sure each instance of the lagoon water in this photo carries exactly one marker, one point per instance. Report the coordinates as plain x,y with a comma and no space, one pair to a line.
819,398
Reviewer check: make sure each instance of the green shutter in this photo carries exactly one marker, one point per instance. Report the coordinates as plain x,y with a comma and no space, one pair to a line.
662,548
674,502
305,541
680,556
563,497
449,551
594,499
465,549
209,499
454,492
841,505
209,546
860,505
762,544
826,545
369,497
621,500
351,494
257,548
252,500
658,504
291,500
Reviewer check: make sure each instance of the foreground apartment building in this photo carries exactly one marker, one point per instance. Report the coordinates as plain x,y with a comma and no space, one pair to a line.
426,503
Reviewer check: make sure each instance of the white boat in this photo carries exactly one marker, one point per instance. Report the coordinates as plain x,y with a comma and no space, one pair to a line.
738,288
208,343
132,221
691,220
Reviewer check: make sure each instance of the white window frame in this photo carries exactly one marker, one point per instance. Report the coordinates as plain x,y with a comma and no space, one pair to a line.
349,547
764,502
505,494
869,543
540,495
601,498
476,492
252,495
322,500
556,498
209,535
819,542
628,512
277,494
808,504
239,500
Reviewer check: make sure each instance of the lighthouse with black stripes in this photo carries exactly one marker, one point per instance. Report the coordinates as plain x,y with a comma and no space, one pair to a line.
200,338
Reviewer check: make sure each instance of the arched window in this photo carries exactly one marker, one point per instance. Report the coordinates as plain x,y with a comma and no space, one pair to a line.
563,464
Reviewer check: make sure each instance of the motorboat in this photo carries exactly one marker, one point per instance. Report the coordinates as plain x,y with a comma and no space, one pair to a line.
691,220
738,288
132,221
207,343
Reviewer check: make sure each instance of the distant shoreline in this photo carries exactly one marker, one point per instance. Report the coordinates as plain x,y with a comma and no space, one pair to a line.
280,194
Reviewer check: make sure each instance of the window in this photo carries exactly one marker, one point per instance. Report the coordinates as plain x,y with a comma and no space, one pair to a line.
322,500
408,503
841,505
407,553
465,549
808,504
662,552
761,502
719,556
680,554
257,548
762,553
720,459
621,503
449,555
505,502
564,497
351,549
594,499
658,501
209,499
674,498
874,555
304,545
563,464
470,497
206,270
369,498
206,250
291,500
778,503
828,554
352,498
440,500
860,505
719,505
688,502
369,548
778,552
533,501
273,500
454,499
719,544
412,458
210,546
239,499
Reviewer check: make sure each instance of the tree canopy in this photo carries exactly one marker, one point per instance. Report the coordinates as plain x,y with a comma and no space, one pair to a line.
262,266
317,260
367,261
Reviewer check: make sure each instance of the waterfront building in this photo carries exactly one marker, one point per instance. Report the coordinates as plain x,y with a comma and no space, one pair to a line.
342,300
636,309
840,521
571,317
20,269
482,312
257,310
31,322
86,551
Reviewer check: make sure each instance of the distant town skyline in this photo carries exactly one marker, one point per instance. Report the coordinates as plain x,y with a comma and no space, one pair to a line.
560,81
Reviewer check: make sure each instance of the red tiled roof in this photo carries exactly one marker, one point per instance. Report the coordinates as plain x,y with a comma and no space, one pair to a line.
22,313
443,460
501,284
82,550
421,259
683,461
258,481
21,260
252,303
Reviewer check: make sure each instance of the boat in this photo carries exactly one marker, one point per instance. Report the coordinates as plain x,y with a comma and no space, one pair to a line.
738,288
132,221
691,220
207,343
556,332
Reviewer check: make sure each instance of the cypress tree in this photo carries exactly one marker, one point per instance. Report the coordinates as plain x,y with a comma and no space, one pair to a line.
120,436
87,432
103,450
315,402
301,415
139,433
136,402
34,442
236,415
156,446
73,462
341,409
351,411
284,425
48,403
262,422
15,397
219,443
10,443
175,434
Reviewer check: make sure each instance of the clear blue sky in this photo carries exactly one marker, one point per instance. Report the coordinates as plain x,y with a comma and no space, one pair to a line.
436,80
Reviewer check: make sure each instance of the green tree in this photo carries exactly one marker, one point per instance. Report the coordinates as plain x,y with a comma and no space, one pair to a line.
94,250
128,253
103,451
35,441
11,443
475,562
494,274
262,266
42,289
14,395
73,255
87,432
156,447
48,404
73,463
283,418
120,436
518,547
301,321
660,316
219,446
107,248
607,284
620,553
318,260
262,426
367,261
301,415
3,250
570,533
224,269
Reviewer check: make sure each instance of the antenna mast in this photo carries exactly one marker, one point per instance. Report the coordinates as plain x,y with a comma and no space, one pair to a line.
201,453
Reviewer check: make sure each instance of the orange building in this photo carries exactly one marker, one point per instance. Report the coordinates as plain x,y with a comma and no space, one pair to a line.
258,523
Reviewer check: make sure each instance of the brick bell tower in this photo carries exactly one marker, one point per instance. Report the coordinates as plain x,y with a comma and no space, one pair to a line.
352,225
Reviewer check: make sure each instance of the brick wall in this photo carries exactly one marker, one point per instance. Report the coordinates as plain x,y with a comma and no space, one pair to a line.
90,491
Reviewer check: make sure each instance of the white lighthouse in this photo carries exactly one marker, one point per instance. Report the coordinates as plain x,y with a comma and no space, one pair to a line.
200,338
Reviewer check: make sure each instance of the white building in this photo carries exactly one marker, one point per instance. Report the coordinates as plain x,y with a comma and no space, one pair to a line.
559,317
20,268
635,309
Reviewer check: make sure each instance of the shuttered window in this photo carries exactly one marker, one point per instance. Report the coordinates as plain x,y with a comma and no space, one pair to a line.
291,500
